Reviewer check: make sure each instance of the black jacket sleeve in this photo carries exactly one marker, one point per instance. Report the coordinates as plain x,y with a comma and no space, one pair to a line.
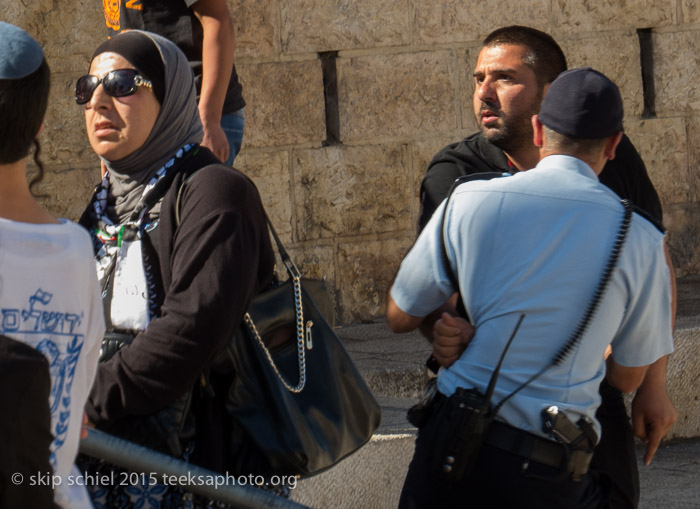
627,176
214,262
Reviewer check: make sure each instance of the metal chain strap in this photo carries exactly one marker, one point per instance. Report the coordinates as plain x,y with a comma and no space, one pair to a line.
301,353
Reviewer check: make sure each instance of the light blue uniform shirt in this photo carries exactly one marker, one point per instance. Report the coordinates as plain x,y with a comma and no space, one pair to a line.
537,243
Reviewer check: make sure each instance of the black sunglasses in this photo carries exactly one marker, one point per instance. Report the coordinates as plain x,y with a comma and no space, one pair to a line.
118,83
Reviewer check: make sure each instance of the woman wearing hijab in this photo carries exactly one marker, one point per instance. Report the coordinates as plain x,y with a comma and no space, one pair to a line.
181,246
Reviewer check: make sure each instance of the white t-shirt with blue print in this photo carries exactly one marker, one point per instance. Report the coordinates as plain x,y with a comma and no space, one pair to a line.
49,299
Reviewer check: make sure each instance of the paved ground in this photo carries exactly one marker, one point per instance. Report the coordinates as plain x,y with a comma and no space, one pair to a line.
672,481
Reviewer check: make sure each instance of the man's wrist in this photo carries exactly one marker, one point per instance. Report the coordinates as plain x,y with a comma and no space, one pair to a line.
656,375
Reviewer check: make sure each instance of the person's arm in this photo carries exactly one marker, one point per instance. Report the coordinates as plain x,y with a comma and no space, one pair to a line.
625,379
217,252
451,336
217,65
644,338
627,176
653,412
427,326
399,321
408,307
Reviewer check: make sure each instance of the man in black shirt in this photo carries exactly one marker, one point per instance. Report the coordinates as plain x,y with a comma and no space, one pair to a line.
203,30
513,72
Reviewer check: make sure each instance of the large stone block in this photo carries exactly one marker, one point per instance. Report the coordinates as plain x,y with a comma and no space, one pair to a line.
683,372
423,152
693,130
622,66
256,24
365,271
601,15
68,31
445,21
319,25
64,139
677,72
467,64
285,103
690,11
342,191
662,144
683,224
396,95
316,262
67,193
270,172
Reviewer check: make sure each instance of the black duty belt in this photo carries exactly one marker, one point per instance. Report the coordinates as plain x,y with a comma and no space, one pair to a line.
527,446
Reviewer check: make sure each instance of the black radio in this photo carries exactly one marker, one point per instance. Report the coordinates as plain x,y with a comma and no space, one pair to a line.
470,419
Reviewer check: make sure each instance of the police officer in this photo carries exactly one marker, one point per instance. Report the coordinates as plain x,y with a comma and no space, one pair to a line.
512,73
528,252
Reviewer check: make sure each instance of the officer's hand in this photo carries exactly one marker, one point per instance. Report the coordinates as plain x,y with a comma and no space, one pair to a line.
451,335
653,414
215,140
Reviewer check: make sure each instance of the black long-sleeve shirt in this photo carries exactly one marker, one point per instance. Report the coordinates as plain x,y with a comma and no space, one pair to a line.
626,174
211,265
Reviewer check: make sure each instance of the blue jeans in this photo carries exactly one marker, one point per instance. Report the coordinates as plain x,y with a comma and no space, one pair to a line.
233,125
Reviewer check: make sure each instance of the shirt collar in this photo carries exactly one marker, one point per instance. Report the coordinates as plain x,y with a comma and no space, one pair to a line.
568,163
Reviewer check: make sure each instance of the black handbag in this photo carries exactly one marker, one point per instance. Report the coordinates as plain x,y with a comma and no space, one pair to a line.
299,405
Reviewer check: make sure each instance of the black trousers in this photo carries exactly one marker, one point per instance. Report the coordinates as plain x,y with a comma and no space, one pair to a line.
499,479
615,456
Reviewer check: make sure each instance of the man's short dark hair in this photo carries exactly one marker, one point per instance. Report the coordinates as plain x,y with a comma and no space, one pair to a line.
545,57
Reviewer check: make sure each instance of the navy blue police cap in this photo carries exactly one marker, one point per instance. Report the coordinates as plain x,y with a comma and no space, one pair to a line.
582,103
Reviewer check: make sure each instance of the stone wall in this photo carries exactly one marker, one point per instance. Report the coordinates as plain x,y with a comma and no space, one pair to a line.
340,172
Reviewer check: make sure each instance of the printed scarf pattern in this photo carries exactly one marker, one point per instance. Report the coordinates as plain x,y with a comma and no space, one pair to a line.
119,256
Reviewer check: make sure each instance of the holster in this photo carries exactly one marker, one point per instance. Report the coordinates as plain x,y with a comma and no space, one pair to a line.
579,462
419,413
579,439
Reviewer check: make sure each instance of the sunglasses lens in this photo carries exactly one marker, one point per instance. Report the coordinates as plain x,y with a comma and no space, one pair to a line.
84,88
120,83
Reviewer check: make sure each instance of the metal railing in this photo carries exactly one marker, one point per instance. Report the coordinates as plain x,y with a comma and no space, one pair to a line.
195,479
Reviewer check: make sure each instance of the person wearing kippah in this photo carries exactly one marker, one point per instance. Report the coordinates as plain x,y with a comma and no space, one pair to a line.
524,252
49,298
